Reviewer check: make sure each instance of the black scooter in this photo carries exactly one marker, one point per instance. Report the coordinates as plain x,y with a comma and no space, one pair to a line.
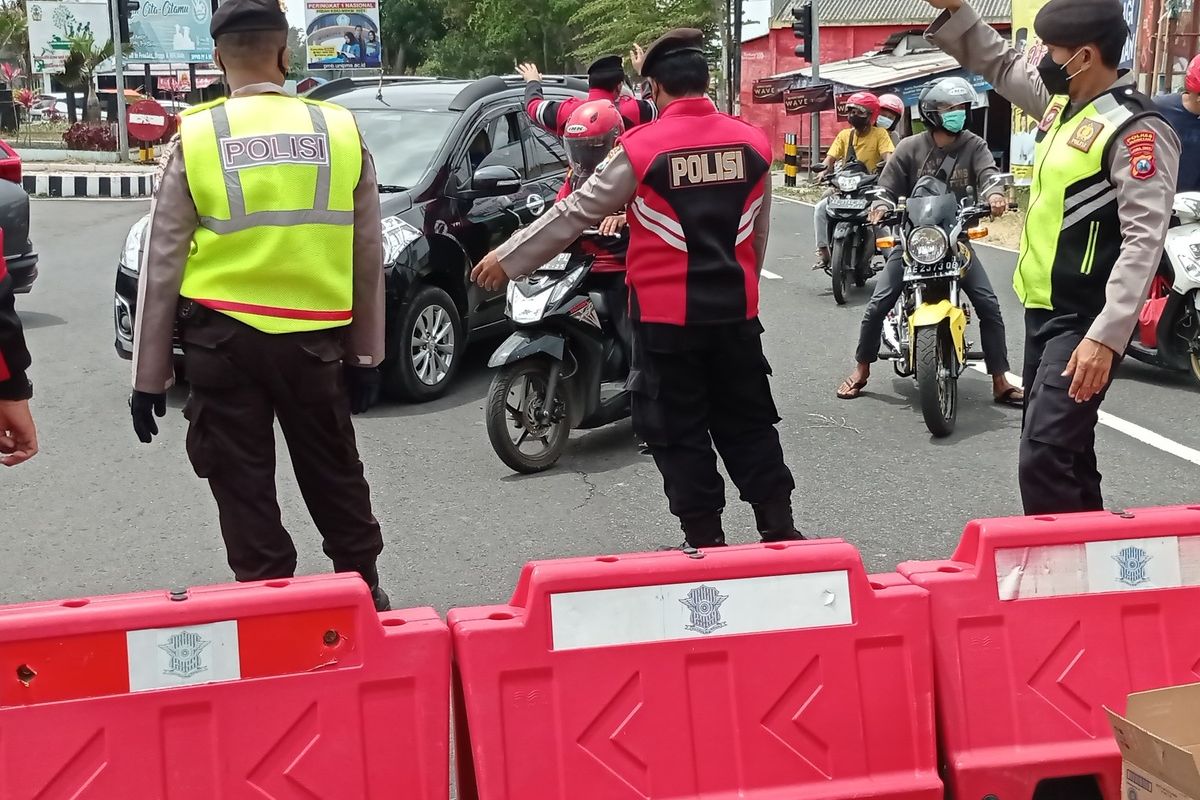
565,366
851,237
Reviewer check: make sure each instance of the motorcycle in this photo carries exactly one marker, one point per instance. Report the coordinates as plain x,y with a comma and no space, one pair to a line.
563,369
852,238
926,330
1168,334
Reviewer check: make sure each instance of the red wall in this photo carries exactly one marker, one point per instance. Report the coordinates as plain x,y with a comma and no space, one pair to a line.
775,53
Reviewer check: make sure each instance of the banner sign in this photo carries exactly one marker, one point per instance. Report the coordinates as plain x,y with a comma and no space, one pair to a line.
770,90
171,32
1024,127
839,103
343,33
808,100
52,23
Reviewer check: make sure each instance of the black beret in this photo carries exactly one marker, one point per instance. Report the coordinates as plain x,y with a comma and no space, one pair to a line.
234,16
1074,23
680,40
606,65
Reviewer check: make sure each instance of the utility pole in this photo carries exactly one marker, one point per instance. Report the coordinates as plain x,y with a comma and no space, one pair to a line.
735,92
119,69
807,30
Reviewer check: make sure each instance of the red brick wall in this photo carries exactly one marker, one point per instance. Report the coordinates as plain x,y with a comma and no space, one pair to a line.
775,53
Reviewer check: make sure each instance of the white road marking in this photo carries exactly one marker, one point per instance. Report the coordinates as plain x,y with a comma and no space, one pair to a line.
1131,429
771,276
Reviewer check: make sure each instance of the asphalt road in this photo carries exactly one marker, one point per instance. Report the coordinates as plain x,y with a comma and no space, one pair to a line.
97,512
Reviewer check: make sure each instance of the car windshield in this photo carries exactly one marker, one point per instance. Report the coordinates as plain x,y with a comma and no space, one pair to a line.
403,142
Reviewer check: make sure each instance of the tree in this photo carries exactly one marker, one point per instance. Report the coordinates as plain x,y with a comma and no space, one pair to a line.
613,26
490,36
298,48
79,72
410,29
14,31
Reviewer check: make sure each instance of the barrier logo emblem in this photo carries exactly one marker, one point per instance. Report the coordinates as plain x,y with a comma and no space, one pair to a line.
185,649
705,604
1132,563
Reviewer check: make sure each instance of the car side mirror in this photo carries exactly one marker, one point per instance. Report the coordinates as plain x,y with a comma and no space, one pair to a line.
496,180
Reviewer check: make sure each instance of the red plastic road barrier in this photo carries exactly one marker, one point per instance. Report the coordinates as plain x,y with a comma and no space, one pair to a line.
1039,622
282,691
773,671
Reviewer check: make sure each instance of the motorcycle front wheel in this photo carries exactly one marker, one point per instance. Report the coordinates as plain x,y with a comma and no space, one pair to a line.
520,433
840,268
937,382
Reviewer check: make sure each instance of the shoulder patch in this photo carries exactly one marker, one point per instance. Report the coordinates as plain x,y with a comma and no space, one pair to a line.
1085,135
608,159
1141,154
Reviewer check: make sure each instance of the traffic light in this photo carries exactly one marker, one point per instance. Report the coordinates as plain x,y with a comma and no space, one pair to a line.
124,9
802,29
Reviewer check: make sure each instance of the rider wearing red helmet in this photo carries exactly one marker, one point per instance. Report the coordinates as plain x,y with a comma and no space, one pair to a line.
891,111
1183,112
862,142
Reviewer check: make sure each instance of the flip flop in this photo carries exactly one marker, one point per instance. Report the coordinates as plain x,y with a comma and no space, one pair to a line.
849,390
1009,398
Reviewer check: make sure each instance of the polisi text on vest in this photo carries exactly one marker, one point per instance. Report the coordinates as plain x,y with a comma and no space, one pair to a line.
278,148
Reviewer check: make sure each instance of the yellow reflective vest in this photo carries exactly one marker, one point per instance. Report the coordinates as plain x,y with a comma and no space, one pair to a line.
273,179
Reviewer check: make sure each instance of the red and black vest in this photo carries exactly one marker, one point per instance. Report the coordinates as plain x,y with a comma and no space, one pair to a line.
702,176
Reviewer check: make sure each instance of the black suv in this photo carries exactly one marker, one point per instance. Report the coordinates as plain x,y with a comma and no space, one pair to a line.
461,168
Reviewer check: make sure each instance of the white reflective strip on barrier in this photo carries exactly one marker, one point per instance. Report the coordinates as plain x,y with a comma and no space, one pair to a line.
640,614
160,658
1122,565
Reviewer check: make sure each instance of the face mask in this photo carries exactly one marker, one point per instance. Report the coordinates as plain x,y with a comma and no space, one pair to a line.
886,123
954,121
1054,75
858,121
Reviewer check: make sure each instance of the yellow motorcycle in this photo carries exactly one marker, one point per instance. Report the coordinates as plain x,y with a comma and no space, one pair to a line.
926,331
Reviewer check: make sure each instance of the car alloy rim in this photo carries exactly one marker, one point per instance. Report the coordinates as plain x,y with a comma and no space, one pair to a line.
432,345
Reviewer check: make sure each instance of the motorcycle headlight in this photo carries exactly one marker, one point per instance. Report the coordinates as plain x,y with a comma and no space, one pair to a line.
131,254
567,285
927,245
397,235
847,183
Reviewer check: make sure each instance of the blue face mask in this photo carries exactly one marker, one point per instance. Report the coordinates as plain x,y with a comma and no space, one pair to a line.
954,121
886,123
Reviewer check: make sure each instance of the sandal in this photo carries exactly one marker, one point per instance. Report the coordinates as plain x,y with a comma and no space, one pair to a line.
1010,398
850,389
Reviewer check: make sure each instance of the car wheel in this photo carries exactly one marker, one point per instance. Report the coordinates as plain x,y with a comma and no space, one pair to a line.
429,348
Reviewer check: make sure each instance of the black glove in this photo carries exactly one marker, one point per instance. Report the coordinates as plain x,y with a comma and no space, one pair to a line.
144,407
362,383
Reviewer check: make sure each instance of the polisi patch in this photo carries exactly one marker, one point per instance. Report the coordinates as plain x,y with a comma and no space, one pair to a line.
1141,154
310,149
1051,115
1085,135
707,167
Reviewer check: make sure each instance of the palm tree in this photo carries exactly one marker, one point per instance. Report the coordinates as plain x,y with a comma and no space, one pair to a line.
79,72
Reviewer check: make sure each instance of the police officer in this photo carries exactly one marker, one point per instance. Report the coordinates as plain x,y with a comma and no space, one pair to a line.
696,184
265,235
1100,203
606,76
18,436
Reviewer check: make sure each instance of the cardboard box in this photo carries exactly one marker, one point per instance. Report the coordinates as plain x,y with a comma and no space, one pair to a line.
1159,737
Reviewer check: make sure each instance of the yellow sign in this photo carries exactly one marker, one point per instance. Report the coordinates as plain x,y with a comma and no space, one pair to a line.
1031,50
320,52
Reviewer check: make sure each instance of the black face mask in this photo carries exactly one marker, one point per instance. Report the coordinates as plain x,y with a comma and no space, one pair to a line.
1054,75
859,121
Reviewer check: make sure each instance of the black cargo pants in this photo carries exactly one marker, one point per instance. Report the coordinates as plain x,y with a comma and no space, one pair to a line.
241,381
712,389
1057,467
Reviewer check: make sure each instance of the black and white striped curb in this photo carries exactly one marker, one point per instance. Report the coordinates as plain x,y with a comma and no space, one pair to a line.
89,185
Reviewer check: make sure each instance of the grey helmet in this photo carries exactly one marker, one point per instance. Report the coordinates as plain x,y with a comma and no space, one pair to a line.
943,95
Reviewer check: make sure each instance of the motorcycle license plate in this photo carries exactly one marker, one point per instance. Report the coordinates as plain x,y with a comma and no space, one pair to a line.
556,264
847,203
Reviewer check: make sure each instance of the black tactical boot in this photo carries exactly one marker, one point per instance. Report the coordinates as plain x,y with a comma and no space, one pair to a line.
701,531
775,522
382,603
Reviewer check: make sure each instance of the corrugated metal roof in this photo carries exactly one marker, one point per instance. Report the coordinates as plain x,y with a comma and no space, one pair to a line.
886,12
871,72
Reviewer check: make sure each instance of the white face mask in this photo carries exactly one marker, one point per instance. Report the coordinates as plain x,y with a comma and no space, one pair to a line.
886,122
